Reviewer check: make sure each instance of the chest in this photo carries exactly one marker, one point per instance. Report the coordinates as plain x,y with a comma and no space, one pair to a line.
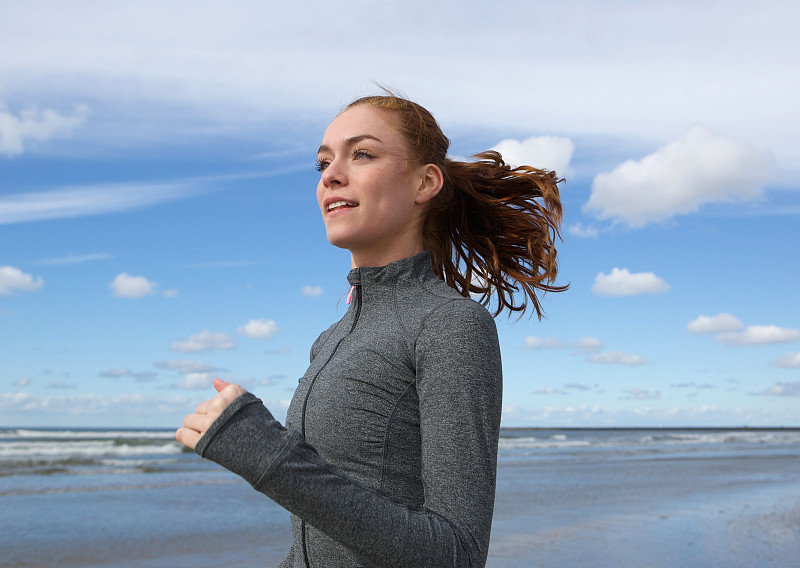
358,392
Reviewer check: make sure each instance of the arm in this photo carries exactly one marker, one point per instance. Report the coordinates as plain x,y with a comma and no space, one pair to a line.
458,382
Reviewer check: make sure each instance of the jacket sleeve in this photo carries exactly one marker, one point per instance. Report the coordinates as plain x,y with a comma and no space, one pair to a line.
459,387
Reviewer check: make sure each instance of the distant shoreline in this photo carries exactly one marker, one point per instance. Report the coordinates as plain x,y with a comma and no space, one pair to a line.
674,428
503,428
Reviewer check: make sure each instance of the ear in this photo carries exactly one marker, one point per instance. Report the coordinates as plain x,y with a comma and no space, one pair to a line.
430,183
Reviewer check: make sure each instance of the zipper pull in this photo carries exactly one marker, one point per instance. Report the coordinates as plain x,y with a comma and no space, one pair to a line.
350,295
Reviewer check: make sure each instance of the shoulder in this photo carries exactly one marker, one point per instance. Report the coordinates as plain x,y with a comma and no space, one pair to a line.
430,300
458,319
459,326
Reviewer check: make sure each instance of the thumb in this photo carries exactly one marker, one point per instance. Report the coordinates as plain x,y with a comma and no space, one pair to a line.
219,384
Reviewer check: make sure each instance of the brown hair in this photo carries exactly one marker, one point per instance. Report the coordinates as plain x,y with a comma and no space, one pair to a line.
491,230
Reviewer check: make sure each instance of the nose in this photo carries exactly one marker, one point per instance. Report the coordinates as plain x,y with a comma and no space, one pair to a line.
334,174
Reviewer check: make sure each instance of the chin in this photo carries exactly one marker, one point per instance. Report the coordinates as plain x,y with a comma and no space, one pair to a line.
338,240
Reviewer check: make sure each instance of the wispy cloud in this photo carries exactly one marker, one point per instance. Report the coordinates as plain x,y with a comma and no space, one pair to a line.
91,200
311,291
586,345
73,259
640,394
616,358
204,341
120,372
782,389
582,231
225,264
534,342
185,366
121,405
790,360
34,125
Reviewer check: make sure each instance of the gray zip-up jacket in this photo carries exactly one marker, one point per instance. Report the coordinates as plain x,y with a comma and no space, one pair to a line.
389,453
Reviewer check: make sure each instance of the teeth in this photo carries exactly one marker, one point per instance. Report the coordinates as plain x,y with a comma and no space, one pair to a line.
336,204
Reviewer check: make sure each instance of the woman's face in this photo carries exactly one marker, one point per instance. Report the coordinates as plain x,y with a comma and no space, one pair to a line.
372,198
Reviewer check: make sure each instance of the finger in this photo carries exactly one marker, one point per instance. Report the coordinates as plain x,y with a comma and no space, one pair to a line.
219,384
206,406
187,437
198,422
231,393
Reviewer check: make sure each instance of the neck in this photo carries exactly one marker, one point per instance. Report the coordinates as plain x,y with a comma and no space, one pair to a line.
384,257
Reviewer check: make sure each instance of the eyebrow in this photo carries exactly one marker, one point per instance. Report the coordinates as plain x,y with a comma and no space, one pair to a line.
350,141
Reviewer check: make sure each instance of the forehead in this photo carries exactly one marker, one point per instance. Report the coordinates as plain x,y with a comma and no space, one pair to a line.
361,120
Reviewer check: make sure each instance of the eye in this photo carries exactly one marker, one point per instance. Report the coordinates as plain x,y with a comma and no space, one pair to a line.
361,154
322,165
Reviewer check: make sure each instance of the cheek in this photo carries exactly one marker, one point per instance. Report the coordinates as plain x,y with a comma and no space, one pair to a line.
320,195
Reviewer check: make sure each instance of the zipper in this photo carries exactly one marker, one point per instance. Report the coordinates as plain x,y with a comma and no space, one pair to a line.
357,290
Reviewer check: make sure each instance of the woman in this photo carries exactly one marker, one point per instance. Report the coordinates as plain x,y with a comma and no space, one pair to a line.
389,453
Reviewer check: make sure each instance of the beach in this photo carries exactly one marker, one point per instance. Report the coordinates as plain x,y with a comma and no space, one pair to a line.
590,498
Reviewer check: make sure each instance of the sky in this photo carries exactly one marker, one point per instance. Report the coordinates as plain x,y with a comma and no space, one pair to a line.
158,222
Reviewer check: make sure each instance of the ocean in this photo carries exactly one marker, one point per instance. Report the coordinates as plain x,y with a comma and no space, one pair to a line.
565,497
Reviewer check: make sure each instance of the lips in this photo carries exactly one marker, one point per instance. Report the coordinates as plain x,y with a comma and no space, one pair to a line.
335,203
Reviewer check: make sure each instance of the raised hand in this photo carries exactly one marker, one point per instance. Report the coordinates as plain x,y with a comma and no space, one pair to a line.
195,425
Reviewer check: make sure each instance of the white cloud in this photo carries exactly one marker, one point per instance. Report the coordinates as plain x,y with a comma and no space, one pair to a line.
195,381
141,376
610,82
622,283
783,389
533,342
640,394
701,167
548,391
581,231
127,286
791,360
92,200
13,279
543,152
760,335
23,382
185,366
311,291
259,329
714,324
170,293
586,345
616,358
204,341
115,373
81,405
33,125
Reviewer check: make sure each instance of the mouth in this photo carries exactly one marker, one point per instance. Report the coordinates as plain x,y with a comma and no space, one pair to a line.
341,204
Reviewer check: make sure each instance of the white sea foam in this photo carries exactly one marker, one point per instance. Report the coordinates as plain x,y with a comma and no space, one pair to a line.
91,434
85,449
633,440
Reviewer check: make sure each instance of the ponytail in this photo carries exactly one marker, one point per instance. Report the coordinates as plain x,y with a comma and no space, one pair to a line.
492,228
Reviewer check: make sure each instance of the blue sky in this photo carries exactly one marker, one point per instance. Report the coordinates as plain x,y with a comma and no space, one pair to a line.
158,225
